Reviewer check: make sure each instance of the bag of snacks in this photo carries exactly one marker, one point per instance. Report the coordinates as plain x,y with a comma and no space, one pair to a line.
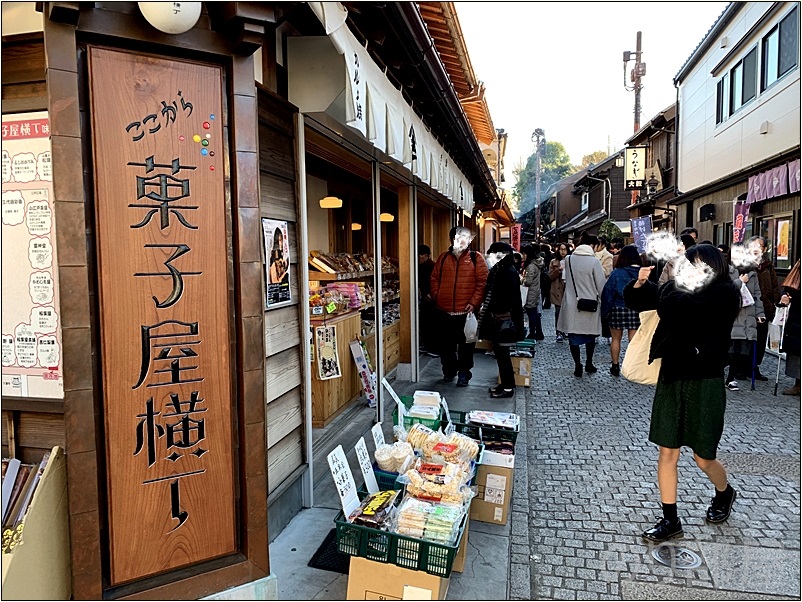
375,511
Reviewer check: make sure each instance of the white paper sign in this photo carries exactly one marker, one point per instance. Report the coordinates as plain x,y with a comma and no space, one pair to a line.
398,402
366,466
494,489
416,593
378,434
8,350
343,480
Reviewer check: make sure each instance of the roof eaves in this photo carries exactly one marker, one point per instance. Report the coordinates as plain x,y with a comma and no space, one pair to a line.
707,41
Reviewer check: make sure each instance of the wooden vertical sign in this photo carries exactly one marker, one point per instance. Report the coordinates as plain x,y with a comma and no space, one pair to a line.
159,163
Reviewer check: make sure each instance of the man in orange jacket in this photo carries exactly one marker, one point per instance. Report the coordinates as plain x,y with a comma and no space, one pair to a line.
458,287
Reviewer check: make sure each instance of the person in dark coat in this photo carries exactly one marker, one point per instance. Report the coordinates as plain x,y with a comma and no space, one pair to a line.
502,301
533,264
692,340
613,308
545,281
770,294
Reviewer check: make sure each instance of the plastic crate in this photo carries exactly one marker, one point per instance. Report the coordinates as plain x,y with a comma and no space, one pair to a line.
401,550
407,400
481,433
385,480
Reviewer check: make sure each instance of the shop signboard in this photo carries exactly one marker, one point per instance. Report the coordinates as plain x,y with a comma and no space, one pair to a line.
515,235
32,358
634,167
740,219
641,228
166,356
277,262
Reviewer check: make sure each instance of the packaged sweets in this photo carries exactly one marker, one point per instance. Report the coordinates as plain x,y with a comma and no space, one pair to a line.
384,458
418,434
375,510
429,520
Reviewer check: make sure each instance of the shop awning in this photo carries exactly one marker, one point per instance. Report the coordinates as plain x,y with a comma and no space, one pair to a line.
372,106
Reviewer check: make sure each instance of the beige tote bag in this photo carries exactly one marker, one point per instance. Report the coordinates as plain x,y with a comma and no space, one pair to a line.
636,366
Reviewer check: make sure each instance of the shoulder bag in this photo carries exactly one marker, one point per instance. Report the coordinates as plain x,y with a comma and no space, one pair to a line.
636,367
590,305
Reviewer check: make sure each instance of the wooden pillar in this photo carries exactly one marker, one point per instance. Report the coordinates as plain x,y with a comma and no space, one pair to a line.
407,268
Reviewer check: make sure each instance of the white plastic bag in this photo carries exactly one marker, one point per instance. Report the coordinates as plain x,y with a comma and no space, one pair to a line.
775,337
780,316
746,296
471,325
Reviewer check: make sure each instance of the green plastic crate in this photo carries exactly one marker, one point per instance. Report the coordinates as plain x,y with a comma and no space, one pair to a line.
480,433
385,480
407,400
392,548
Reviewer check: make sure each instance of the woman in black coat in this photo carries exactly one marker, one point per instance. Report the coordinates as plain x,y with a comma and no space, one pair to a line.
692,340
502,302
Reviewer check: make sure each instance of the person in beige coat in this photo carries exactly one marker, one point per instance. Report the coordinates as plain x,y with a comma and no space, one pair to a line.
557,291
603,255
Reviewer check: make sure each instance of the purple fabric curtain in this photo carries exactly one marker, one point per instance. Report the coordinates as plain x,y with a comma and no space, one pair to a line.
793,176
753,189
762,188
781,180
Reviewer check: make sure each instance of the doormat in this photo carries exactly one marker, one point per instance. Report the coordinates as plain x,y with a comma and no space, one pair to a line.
329,558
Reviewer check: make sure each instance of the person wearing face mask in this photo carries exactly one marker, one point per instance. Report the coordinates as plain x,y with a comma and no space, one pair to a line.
769,294
457,287
501,317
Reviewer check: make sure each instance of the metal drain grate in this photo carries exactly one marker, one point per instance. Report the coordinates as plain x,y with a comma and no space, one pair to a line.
677,558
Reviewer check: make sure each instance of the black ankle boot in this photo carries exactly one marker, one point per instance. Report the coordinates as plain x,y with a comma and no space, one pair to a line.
590,368
615,369
578,370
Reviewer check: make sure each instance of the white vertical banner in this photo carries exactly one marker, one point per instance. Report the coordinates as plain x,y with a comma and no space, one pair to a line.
356,61
343,480
366,466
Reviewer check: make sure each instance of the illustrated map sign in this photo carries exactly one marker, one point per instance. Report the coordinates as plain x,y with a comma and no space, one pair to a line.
31,329
159,169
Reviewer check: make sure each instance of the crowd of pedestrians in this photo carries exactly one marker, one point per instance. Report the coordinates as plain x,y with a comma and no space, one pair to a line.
715,305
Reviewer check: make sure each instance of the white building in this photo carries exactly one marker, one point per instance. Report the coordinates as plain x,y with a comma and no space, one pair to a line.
738,124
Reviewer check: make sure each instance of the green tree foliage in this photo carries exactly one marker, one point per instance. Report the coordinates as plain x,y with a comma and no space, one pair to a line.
609,230
555,165
593,158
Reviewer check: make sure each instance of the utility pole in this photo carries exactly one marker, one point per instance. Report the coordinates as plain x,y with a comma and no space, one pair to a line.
539,138
638,71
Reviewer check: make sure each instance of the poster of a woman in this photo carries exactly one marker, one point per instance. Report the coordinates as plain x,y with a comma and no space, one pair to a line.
277,257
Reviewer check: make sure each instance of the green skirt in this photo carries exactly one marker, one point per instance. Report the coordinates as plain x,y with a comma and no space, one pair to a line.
689,413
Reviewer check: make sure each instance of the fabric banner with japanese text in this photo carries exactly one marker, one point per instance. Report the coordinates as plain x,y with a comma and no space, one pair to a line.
740,219
32,352
641,228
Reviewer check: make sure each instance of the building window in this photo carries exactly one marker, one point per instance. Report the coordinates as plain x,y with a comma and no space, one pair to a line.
780,50
779,239
743,78
721,99
585,201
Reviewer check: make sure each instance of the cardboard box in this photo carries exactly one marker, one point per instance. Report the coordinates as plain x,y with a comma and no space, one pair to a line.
371,580
494,486
522,366
38,568
462,553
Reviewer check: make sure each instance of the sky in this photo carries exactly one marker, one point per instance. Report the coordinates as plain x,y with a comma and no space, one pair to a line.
559,66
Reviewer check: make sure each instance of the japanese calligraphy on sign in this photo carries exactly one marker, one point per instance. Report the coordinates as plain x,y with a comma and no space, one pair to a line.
641,228
328,359
634,167
30,326
164,311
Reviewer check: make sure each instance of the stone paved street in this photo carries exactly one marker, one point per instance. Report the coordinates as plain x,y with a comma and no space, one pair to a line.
592,491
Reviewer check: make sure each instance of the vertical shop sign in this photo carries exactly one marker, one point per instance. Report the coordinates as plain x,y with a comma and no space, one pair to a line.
277,262
328,359
31,326
634,167
515,237
164,311
740,217
641,228
783,239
